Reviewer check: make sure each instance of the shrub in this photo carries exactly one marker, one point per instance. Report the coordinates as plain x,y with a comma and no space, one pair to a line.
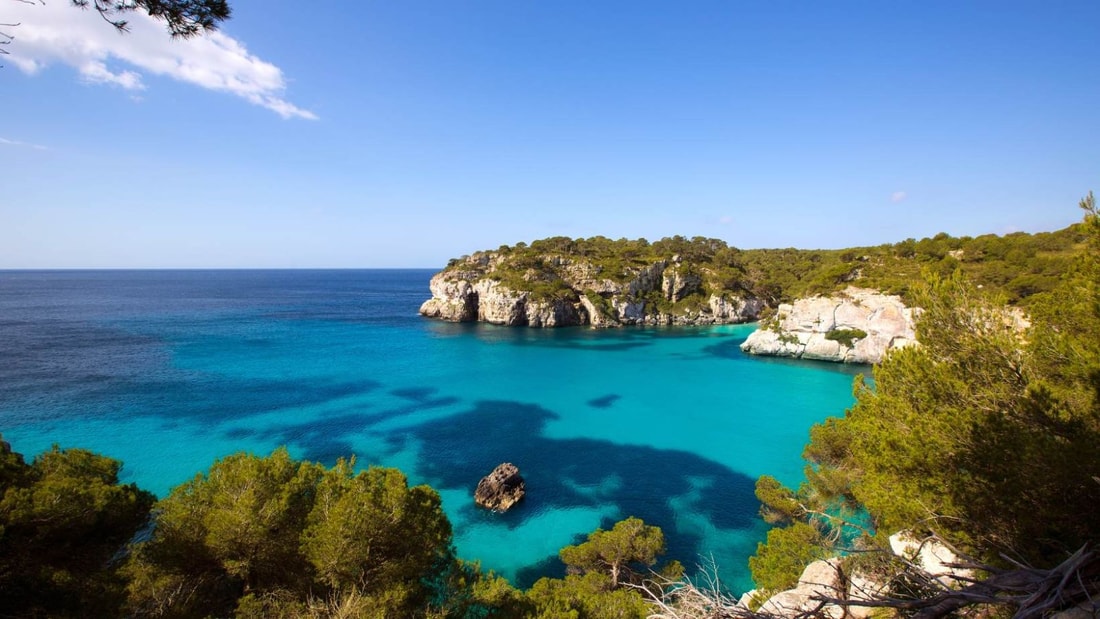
846,337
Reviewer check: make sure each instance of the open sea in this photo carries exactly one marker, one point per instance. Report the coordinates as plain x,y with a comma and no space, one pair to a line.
170,370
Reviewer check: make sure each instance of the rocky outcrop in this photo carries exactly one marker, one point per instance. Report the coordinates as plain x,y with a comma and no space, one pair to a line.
501,489
820,579
453,299
831,579
665,292
932,556
855,326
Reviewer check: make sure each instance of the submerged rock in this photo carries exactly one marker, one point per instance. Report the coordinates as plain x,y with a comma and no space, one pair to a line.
501,489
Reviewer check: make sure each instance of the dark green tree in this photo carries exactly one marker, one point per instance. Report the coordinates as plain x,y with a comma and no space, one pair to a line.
987,434
184,18
625,553
584,596
272,536
371,532
63,519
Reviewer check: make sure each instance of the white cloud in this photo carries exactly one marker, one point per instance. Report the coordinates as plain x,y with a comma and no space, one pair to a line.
898,196
59,33
24,144
725,220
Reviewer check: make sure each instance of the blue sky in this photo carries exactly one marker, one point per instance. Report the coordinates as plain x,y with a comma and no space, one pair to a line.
401,134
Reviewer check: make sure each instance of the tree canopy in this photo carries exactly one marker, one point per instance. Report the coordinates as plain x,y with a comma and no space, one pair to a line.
274,535
625,553
184,18
987,434
271,536
1018,265
63,519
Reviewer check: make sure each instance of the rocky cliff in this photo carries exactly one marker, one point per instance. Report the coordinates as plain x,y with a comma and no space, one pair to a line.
854,326
927,559
562,290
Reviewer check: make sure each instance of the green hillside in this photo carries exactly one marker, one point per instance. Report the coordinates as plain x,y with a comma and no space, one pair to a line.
1018,265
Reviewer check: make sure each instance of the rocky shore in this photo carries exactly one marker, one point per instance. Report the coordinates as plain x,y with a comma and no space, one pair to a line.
855,326
666,292
830,579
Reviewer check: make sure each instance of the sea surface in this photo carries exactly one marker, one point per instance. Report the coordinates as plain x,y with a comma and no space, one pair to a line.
170,370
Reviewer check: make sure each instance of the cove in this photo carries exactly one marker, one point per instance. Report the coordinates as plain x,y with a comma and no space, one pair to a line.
169,370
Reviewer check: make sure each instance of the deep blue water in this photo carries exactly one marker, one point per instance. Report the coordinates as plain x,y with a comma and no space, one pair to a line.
169,370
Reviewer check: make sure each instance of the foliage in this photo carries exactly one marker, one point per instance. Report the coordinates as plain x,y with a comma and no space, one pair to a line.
272,535
846,337
184,18
465,592
584,596
1019,266
625,552
985,434
599,303
779,561
261,537
62,520
604,575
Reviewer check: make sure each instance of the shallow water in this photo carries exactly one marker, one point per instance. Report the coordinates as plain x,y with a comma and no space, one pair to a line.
169,370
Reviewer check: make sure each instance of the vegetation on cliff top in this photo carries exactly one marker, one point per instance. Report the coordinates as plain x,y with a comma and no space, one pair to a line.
984,436
1017,265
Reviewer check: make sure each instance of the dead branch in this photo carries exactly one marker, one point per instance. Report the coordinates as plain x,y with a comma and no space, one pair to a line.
1031,591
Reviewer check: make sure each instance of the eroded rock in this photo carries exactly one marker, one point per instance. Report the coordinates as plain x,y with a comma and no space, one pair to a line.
815,328
501,489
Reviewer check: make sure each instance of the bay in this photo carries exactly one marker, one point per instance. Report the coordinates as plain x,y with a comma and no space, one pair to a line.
170,370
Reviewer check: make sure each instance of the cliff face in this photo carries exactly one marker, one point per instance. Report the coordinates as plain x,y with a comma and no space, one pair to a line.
855,326
550,289
578,292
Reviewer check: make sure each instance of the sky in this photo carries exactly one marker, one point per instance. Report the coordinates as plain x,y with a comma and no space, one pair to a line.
402,134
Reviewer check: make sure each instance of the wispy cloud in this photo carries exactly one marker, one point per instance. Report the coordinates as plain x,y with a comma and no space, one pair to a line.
22,144
59,33
725,220
898,196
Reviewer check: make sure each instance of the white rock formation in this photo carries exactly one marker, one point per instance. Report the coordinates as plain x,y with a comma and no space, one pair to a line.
830,579
819,579
453,299
470,293
931,556
800,328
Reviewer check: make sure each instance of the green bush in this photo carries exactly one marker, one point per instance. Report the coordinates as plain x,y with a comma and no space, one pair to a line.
846,337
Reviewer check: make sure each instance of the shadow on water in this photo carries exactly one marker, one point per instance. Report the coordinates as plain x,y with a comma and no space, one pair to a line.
605,401
183,397
220,398
331,438
731,349
550,567
581,337
578,472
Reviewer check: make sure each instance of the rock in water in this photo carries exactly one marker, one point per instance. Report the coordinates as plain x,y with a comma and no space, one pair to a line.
500,489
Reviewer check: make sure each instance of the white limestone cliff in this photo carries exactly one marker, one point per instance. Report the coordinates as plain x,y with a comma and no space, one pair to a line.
472,294
815,328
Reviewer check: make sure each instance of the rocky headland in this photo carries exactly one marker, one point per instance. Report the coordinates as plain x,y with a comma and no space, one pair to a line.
834,305
853,326
563,290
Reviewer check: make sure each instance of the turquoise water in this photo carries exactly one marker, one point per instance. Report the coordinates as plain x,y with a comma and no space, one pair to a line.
168,371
